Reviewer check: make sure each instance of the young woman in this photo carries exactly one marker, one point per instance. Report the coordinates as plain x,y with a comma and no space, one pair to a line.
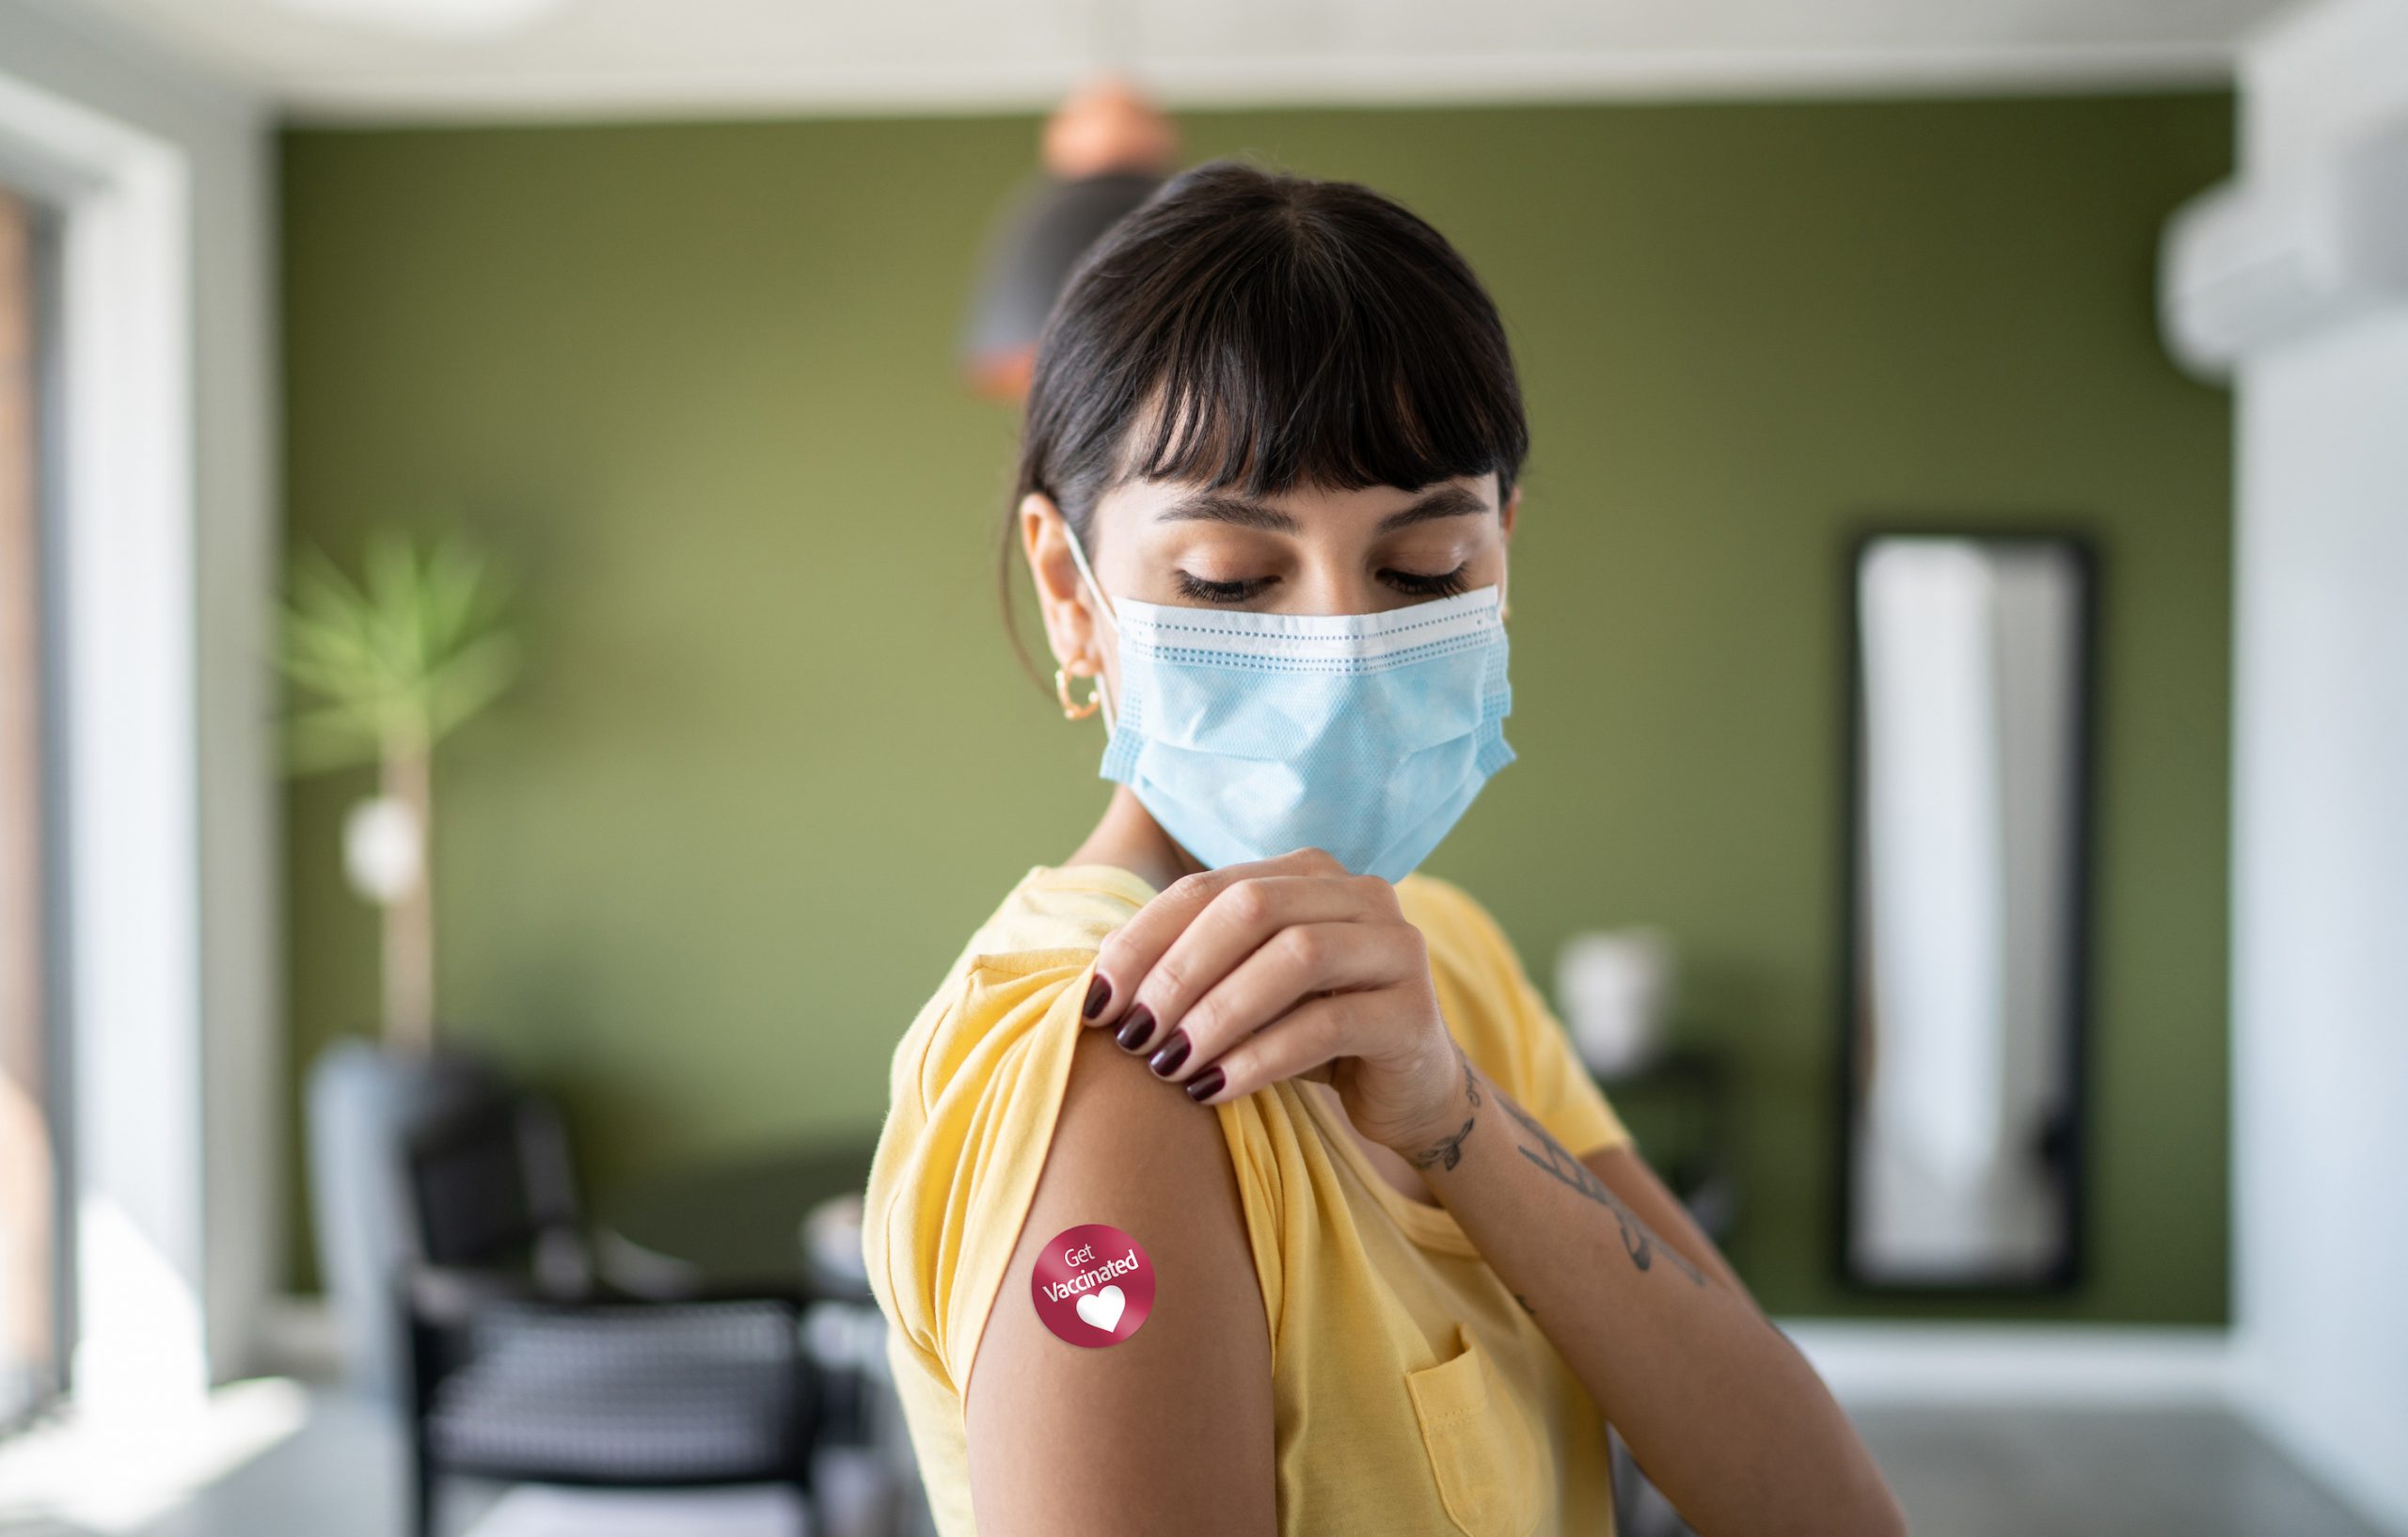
1406,1261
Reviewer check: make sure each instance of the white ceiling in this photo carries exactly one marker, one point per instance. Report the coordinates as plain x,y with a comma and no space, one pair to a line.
623,57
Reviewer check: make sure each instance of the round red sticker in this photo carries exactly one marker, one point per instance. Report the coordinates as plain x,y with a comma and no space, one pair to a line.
1093,1284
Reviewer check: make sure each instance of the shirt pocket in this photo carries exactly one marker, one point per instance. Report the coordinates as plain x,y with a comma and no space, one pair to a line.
1482,1450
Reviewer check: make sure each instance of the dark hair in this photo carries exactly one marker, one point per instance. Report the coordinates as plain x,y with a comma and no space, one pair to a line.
1276,331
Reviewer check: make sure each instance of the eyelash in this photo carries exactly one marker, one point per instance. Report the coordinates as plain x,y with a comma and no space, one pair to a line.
1445,584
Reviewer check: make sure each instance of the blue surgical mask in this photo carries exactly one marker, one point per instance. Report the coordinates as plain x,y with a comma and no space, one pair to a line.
1249,735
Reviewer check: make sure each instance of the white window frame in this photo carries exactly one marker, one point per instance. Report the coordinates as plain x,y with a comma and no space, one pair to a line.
125,522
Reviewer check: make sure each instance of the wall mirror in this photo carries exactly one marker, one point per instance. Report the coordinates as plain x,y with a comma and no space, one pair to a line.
1967,801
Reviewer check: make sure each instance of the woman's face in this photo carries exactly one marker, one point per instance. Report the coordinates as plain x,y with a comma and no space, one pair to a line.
1306,552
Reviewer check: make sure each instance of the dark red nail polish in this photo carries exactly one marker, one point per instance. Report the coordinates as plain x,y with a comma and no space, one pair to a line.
1140,1024
1098,993
1206,1082
1174,1052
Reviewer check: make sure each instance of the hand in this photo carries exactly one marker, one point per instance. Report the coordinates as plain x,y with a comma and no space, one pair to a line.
1238,978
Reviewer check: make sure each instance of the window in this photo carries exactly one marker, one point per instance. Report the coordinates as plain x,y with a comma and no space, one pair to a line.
31,1366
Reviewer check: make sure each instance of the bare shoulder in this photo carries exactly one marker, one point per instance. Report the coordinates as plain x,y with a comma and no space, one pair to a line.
1166,1431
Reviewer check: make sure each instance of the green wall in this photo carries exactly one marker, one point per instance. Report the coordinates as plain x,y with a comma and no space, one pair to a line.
774,759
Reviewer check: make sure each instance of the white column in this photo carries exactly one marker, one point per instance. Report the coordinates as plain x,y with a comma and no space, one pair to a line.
2321,821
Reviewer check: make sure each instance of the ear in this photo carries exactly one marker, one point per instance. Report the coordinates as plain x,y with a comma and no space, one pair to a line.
1505,517
1061,597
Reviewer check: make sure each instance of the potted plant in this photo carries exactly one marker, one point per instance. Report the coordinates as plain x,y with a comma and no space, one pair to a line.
387,668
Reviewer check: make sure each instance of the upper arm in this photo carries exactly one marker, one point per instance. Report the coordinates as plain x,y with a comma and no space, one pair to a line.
1166,1431
1629,1177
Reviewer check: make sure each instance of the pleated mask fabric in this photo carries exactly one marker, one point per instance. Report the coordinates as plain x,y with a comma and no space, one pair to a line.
1249,735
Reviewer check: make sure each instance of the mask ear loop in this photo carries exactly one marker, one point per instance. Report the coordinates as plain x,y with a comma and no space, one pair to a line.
1086,574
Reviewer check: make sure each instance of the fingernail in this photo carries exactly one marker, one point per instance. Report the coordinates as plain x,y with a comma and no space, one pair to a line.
1098,993
1206,1084
1140,1024
1174,1052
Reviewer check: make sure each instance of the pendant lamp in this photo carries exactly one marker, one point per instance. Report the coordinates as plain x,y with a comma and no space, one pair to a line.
1107,148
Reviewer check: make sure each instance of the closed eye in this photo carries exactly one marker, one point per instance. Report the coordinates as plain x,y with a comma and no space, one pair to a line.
1221,592
1420,584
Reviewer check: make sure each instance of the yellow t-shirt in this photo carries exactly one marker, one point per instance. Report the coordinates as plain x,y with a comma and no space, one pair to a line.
1412,1393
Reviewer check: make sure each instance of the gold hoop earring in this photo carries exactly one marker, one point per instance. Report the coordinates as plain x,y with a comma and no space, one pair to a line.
1072,711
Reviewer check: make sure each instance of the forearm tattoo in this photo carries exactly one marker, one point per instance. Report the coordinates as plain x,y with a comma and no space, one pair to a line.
1447,1151
1641,1244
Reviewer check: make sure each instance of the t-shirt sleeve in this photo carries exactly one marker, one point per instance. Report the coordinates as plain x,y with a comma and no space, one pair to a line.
1559,1089
1547,1077
959,1161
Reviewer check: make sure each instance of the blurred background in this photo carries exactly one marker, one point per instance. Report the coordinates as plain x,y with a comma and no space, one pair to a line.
506,709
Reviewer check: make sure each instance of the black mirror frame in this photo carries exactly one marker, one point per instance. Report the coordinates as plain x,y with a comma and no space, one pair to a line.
2068,1142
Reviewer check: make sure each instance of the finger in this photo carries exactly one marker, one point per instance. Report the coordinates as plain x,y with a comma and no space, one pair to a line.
1302,1043
1131,949
1295,964
1233,924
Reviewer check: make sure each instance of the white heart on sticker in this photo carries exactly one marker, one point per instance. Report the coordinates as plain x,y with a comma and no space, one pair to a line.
1102,1309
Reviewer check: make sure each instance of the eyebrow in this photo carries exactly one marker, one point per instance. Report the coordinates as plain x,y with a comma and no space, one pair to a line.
1220,507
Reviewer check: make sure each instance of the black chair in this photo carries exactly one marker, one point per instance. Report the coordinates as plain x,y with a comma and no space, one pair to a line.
525,1369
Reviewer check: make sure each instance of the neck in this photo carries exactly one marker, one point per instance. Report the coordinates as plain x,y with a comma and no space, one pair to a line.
1129,837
